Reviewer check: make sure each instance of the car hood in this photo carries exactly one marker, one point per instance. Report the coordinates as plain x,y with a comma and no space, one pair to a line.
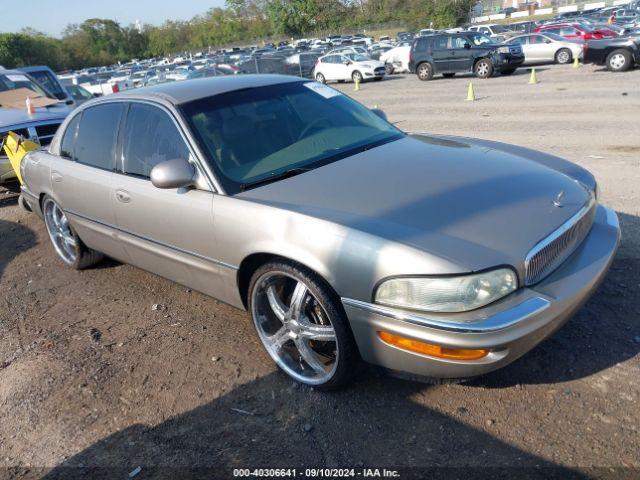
476,204
369,64
19,116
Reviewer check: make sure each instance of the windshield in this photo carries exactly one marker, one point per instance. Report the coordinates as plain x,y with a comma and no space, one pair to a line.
13,81
499,29
49,82
480,39
254,134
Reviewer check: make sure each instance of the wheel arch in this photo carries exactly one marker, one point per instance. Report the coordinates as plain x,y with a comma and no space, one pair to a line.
433,68
254,261
482,57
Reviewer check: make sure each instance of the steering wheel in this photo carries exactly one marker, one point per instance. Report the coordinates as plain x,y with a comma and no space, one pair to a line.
315,124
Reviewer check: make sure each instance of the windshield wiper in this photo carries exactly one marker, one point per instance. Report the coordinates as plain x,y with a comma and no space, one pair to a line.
292,172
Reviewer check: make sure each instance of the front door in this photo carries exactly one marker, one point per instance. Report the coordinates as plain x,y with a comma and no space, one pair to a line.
461,57
166,231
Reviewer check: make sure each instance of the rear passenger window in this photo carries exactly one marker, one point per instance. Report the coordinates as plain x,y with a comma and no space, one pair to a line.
69,138
421,45
440,43
97,134
150,137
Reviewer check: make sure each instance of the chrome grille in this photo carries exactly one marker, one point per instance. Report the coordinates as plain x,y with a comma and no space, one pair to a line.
551,252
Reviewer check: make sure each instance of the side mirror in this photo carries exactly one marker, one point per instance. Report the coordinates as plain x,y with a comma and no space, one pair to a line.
379,112
346,62
547,41
467,46
176,173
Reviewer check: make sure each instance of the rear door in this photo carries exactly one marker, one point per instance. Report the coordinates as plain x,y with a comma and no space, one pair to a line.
329,67
440,53
166,231
82,176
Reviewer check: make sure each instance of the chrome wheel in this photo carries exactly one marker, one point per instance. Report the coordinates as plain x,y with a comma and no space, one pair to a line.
59,231
320,78
617,61
294,327
357,77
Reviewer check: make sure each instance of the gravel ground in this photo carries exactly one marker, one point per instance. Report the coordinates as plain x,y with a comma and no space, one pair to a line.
94,382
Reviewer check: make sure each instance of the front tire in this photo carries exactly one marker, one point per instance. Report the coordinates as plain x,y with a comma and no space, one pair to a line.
356,77
65,240
424,71
619,60
483,68
302,325
564,56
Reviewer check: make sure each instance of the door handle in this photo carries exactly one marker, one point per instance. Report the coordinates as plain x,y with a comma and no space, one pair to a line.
55,176
123,196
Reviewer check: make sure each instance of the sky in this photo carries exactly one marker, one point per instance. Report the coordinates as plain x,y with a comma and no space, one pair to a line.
52,16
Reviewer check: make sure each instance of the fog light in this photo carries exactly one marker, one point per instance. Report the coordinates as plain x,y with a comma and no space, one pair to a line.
430,349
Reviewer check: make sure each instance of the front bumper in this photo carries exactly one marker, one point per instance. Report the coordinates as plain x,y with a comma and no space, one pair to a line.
507,61
508,328
377,73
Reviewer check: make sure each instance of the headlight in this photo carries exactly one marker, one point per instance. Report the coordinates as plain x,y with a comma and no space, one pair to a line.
447,294
503,50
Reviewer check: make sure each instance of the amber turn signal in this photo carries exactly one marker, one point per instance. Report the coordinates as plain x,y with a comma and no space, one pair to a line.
430,349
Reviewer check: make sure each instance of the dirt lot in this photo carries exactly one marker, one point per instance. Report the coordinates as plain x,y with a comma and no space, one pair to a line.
95,382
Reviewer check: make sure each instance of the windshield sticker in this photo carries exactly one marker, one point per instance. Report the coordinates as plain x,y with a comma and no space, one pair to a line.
320,89
17,78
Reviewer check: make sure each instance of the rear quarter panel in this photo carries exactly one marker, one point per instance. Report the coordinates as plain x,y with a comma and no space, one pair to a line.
37,174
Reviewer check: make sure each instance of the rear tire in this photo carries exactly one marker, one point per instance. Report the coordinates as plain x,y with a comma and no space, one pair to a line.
483,68
564,56
424,71
619,60
320,78
64,239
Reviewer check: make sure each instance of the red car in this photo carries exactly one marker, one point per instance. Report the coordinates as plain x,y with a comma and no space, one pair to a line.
575,31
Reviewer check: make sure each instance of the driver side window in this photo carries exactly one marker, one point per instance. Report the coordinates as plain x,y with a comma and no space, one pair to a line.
458,42
150,137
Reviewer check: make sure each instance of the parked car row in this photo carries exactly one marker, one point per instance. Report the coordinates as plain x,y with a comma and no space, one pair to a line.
604,36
